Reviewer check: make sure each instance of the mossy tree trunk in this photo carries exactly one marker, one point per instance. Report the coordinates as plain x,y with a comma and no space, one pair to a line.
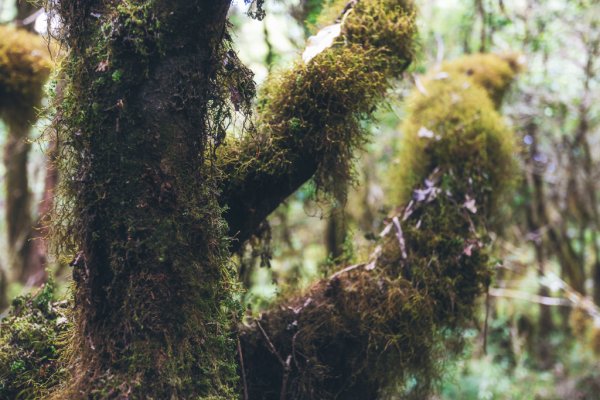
140,117
34,254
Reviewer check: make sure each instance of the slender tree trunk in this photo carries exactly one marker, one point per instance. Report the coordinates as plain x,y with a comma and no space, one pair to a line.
18,197
336,232
36,257
3,289
537,220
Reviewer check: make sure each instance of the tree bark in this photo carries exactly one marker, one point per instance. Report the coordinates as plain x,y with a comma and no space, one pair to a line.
139,121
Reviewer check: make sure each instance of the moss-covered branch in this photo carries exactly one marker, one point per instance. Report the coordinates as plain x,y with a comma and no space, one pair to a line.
309,117
363,332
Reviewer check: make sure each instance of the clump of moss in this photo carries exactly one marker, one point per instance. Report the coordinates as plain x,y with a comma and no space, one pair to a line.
493,72
320,104
453,125
24,68
30,339
386,327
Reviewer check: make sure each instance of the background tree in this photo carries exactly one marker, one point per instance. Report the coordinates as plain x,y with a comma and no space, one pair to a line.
25,66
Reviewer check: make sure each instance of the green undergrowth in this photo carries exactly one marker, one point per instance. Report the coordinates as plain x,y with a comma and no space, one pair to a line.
31,337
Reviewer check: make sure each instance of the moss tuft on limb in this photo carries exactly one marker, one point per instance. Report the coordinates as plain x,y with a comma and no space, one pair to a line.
31,338
387,326
453,124
309,117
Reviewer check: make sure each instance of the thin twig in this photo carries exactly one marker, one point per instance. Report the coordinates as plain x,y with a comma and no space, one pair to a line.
286,377
284,364
487,315
533,298
239,344
270,344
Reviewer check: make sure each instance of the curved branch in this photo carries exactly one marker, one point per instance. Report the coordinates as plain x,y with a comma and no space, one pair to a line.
362,332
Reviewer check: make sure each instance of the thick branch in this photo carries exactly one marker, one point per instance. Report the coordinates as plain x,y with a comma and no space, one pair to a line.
309,117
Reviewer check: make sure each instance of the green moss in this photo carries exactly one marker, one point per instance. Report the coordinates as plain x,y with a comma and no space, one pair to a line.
493,72
31,337
453,125
399,317
139,123
312,114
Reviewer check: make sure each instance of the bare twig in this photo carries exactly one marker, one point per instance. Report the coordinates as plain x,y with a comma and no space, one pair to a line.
286,365
272,348
239,346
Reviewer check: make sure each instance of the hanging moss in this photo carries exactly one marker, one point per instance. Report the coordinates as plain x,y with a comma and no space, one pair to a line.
310,117
385,328
30,339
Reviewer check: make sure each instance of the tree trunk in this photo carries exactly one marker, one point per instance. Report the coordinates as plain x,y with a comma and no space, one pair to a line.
142,111
18,197
3,289
336,232
24,68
